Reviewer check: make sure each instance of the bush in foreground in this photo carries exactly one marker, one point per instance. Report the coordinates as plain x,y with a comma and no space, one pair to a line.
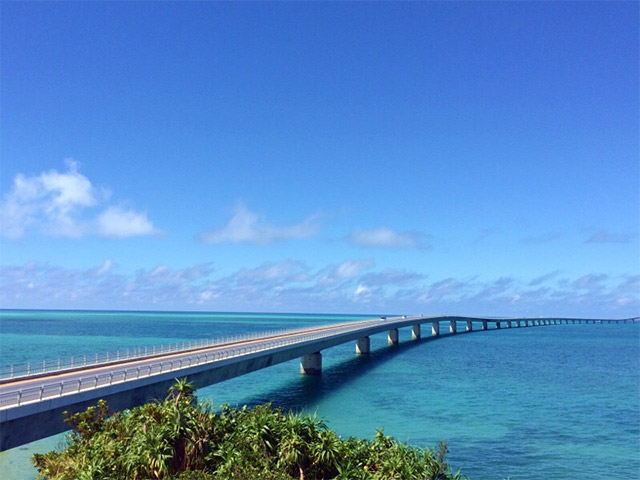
179,438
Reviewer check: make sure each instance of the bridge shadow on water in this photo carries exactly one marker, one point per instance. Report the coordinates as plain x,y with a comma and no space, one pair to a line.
304,391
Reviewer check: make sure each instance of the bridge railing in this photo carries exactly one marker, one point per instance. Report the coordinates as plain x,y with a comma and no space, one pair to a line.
129,373
47,366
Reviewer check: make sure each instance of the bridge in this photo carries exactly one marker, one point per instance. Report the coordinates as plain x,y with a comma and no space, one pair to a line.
32,402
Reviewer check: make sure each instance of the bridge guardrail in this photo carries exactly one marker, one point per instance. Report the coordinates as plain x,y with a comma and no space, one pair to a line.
34,369
127,373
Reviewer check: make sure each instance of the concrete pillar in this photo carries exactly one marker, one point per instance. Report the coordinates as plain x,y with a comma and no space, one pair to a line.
311,364
453,326
508,323
469,326
363,345
392,337
435,328
415,332
573,321
498,325
484,324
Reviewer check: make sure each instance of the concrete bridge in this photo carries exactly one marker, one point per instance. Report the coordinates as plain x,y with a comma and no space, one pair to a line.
31,405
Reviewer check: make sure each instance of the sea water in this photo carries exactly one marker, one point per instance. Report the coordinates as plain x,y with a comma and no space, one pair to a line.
548,402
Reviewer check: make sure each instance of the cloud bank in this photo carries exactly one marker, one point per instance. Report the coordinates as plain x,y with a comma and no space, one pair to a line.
60,204
353,285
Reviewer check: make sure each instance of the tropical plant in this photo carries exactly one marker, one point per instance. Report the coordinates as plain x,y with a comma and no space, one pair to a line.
179,438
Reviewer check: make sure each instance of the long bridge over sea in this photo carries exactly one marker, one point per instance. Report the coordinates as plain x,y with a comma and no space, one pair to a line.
32,401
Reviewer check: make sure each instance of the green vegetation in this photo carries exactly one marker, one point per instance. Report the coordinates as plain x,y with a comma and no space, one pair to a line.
179,438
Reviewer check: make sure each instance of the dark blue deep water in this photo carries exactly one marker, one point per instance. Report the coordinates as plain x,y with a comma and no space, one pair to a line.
549,402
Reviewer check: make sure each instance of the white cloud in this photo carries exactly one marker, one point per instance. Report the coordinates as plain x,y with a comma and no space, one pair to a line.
246,226
119,223
58,204
392,277
386,238
344,271
106,267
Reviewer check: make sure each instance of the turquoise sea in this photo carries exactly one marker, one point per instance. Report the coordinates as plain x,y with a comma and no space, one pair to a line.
551,402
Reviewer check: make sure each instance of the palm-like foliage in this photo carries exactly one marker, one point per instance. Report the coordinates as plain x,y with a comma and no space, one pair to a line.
181,439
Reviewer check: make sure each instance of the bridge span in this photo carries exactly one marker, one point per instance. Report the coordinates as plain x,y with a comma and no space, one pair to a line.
31,405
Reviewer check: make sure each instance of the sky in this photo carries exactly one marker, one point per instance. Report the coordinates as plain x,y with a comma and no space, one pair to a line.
476,158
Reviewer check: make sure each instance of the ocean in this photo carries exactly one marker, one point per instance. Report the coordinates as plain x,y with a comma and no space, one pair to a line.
549,402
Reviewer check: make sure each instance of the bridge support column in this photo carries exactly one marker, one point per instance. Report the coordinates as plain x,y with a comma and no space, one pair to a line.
469,326
363,345
311,364
517,323
508,323
392,337
415,332
435,329
453,326
484,325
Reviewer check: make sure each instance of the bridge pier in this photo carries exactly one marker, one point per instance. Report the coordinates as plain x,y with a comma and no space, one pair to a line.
415,332
435,329
363,345
311,364
508,323
469,326
453,326
484,325
392,337
498,325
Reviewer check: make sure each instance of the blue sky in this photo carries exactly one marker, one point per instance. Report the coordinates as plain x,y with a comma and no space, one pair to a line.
406,157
